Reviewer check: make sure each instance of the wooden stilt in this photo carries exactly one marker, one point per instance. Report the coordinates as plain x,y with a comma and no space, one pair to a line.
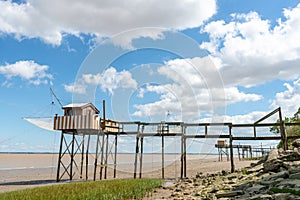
59,157
102,154
162,155
282,131
72,156
82,156
184,156
141,156
97,154
116,153
231,150
136,151
87,158
103,137
106,157
238,148
181,157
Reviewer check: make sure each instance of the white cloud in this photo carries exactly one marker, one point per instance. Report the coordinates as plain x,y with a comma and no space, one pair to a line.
109,80
49,21
77,88
252,50
27,70
196,88
288,100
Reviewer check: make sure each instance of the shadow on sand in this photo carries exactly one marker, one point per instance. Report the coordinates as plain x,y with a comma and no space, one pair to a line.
31,182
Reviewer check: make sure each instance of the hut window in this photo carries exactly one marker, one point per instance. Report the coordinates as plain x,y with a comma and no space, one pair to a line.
69,112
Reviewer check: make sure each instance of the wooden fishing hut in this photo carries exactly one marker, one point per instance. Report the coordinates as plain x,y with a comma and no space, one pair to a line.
79,123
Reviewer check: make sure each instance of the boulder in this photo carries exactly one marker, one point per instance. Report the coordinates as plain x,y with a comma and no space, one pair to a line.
273,155
295,176
296,143
273,165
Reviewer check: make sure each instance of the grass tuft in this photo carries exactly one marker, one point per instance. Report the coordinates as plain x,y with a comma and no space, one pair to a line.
285,190
108,189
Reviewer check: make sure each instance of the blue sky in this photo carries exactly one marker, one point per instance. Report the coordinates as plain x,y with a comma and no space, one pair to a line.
196,60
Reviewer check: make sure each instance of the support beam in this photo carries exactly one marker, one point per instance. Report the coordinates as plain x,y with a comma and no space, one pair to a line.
87,158
72,156
136,151
97,154
231,150
106,157
116,153
162,155
59,156
82,156
141,157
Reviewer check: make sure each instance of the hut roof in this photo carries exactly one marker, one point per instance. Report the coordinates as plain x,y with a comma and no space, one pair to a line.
82,106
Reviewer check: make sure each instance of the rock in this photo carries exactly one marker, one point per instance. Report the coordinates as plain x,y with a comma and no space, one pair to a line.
266,197
296,143
261,197
256,189
273,165
283,174
270,182
289,183
295,176
293,170
273,155
229,194
257,168
282,196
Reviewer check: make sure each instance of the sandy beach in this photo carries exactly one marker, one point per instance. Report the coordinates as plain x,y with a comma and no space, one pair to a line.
20,171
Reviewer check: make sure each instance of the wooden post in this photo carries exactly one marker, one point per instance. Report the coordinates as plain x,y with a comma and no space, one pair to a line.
141,156
102,154
282,131
96,156
162,153
115,161
136,151
238,148
231,149
106,156
103,137
181,158
82,156
184,157
72,156
59,156
87,158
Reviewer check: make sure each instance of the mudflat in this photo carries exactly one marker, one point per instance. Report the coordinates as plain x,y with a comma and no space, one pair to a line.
20,171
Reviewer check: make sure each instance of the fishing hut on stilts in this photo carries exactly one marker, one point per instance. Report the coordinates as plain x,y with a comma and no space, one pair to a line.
82,123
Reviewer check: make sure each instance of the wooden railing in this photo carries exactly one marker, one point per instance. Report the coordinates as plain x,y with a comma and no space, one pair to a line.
82,122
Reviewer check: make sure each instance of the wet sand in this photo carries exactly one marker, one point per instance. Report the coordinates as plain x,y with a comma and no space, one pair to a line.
20,171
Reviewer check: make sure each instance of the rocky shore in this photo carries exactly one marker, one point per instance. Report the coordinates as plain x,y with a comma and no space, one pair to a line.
276,176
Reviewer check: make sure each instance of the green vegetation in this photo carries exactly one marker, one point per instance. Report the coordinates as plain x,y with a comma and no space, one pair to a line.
244,171
285,190
290,130
253,158
109,189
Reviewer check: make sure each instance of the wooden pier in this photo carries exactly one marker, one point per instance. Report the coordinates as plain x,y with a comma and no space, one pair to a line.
78,130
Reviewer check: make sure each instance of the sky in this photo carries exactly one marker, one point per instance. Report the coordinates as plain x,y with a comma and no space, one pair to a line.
192,61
